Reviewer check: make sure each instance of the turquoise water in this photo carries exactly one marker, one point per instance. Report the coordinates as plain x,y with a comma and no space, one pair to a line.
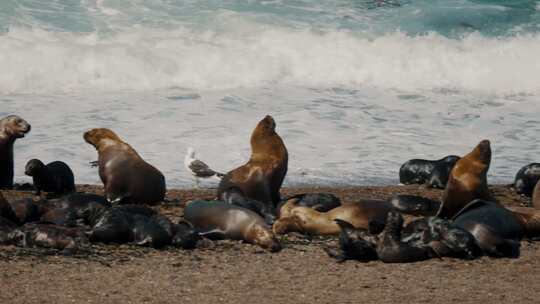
356,87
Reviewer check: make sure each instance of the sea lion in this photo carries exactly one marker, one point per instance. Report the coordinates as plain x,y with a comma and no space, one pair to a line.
6,211
468,181
11,128
391,249
361,214
261,177
496,229
530,220
54,236
354,244
234,195
55,177
126,176
433,173
535,201
10,234
364,214
526,179
27,210
218,220
78,206
321,202
414,205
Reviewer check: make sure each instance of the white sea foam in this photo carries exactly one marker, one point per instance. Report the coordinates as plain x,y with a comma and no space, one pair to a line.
248,54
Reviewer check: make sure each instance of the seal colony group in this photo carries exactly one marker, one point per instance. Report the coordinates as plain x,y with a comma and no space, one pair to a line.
466,223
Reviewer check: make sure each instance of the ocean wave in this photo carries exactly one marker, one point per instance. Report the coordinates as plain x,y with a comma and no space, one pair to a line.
245,54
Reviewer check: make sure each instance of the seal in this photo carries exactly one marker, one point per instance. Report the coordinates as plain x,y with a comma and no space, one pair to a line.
234,195
530,220
433,173
10,234
55,177
261,177
526,178
361,214
27,210
468,181
219,220
54,236
12,127
535,202
496,229
354,244
321,202
414,205
126,176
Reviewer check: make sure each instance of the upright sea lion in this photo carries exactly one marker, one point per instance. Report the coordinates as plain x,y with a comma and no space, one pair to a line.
216,219
11,128
433,173
535,202
468,181
496,229
55,177
126,176
526,178
261,177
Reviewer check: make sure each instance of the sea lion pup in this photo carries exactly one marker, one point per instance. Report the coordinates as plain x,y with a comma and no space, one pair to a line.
535,201
468,181
390,247
354,244
126,176
496,229
11,128
526,179
414,205
220,220
54,236
433,173
10,234
294,218
55,177
321,202
261,177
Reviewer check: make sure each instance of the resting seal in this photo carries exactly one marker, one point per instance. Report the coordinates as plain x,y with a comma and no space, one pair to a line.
55,177
218,220
433,173
530,220
261,177
321,202
496,229
11,128
468,181
526,178
53,236
126,176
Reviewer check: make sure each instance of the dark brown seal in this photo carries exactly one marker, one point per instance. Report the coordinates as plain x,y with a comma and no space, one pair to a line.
219,220
261,177
126,176
55,177
468,181
530,219
11,128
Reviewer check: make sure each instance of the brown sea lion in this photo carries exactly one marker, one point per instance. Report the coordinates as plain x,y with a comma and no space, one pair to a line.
219,220
261,177
535,202
126,176
530,219
11,128
362,214
468,181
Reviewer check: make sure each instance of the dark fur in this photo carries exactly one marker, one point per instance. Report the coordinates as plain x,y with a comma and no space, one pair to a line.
12,127
55,177
526,178
433,173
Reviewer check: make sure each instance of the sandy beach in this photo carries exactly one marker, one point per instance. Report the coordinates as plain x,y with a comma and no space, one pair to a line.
233,272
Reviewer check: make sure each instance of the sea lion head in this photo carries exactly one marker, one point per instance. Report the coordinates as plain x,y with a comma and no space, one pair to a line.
33,167
264,237
266,127
98,135
14,126
482,152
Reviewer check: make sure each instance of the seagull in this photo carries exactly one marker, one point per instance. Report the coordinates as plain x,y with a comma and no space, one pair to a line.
198,168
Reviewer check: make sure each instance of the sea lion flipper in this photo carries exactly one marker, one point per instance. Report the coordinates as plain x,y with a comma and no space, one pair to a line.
213,234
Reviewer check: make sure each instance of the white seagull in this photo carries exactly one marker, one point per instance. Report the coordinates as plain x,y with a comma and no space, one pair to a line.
198,168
